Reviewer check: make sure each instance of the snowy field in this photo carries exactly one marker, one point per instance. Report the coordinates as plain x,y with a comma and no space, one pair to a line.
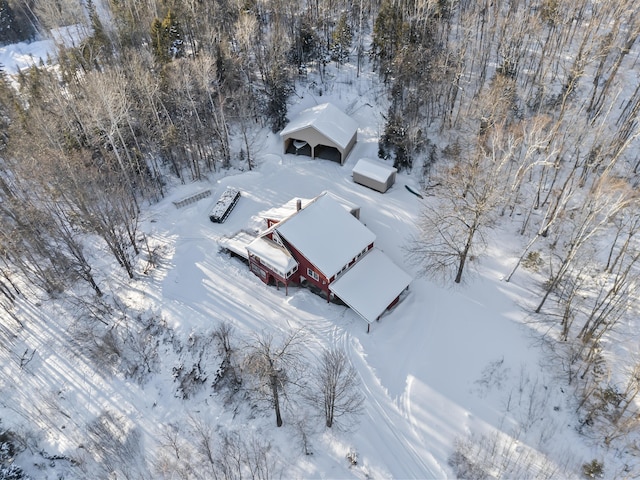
19,56
446,362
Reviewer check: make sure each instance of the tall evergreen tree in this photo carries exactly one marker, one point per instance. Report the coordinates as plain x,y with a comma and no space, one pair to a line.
9,28
166,38
342,38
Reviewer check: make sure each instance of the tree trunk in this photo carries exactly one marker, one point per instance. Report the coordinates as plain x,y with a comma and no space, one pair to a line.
464,254
276,399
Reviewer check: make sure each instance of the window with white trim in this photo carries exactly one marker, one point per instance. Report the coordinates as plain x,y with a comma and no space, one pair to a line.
313,274
276,238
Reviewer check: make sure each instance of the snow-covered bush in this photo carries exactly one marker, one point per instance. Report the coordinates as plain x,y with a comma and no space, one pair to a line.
593,469
352,457
501,456
12,472
8,451
532,261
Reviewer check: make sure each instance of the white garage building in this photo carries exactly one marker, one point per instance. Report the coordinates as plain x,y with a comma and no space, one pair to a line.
323,131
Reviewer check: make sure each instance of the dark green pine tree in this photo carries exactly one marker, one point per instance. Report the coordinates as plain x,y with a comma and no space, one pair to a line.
9,28
394,142
388,32
278,89
159,42
174,35
342,38
97,48
166,38
99,36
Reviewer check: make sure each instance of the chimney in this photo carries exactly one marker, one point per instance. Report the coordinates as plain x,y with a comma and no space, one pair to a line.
298,205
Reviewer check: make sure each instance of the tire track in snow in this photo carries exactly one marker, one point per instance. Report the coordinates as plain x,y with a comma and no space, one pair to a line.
407,461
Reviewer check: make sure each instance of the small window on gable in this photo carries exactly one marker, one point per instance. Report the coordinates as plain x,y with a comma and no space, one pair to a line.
276,238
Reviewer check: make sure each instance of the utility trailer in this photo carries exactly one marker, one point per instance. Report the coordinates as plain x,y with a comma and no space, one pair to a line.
224,205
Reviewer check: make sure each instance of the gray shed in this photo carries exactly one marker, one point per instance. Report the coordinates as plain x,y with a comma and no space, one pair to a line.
374,174
323,131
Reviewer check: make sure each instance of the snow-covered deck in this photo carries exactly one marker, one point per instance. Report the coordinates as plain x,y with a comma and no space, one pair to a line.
371,285
273,256
238,243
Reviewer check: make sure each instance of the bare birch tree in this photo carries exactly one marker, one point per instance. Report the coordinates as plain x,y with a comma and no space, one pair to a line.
275,365
452,226
337,389
606,198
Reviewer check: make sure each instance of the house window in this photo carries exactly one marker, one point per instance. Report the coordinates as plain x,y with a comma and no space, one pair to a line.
293,270
313,274
276,238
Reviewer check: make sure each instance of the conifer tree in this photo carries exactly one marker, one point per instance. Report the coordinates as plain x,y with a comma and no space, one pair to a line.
8,25
388,30
342,38
166,38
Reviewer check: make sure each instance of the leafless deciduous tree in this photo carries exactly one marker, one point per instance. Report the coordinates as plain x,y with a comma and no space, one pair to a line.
607,197
274,365
452,226
337,389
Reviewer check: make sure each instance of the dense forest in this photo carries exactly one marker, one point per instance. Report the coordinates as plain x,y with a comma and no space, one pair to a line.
509,112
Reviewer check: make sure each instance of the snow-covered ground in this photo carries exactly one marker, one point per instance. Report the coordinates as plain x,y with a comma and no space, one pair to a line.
18,56
447,363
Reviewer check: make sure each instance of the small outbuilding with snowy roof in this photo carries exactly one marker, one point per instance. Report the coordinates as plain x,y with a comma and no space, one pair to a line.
323,131
374,174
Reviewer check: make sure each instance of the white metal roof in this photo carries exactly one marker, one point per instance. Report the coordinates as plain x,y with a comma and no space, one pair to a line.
374,169
327,119
273,255
326,234
371,285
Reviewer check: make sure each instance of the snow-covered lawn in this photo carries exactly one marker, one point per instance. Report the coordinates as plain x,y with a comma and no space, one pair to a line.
442,365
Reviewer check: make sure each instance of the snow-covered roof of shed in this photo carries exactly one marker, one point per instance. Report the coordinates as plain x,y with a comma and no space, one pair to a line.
327,119
374,169
276,257
371,285
326,234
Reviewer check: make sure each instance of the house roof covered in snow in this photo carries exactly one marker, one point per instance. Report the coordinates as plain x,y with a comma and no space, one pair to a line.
327,119
289,208
374,169
286,210
276,257
371,285
326,234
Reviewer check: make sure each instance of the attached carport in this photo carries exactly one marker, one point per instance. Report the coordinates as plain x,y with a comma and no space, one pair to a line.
371,286
323,131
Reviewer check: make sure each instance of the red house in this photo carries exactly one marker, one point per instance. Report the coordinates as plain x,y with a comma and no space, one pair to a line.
321,243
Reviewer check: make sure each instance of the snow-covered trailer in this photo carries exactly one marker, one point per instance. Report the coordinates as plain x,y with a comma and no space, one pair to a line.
374,174
224,205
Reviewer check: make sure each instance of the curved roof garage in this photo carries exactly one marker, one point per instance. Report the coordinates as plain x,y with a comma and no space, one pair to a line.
323,131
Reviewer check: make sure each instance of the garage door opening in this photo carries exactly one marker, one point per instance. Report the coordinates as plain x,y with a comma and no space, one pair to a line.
328,153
